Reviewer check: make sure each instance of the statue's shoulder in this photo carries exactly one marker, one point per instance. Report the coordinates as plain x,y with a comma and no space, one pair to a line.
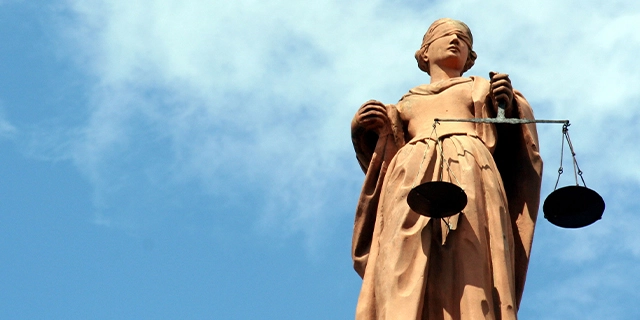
423,89
479,80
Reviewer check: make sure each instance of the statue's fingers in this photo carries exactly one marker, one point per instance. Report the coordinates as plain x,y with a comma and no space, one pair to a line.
373,103
503,97
501,83
372,123
373,107
373,113
495,76
502,90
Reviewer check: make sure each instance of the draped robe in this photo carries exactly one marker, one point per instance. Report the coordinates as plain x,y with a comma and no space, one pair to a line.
473,264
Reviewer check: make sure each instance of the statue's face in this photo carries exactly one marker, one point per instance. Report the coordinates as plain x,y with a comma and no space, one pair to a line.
448,51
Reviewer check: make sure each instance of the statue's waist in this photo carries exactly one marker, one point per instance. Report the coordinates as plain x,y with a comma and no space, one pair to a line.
437,134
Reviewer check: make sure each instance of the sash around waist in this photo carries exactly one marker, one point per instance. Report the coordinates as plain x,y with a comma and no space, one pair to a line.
435,138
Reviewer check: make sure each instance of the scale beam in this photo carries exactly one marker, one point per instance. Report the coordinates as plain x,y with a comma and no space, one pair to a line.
500,118
503,120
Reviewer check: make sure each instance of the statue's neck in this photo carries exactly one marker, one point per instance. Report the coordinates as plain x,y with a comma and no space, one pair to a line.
440,74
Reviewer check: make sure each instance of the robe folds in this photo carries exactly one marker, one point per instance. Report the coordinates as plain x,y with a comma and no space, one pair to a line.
469,266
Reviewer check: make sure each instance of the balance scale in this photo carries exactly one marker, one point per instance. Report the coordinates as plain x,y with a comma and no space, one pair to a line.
573,206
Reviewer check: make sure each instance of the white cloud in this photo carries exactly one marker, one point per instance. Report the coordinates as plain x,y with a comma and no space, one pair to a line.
7,130
596,291
259,95
249,103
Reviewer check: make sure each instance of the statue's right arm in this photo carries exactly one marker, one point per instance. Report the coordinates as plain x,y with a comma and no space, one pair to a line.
370,122
377,134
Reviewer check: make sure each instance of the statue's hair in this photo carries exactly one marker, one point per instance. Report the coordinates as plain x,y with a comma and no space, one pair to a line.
431,35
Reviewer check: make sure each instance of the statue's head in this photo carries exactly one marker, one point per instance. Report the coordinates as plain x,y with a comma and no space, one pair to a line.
442,28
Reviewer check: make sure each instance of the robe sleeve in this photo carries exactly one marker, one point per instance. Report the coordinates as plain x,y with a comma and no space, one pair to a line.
518,159
374,154
516,153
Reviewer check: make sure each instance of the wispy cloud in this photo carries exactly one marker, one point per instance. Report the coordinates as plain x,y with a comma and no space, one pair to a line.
7,130
251,99
593,292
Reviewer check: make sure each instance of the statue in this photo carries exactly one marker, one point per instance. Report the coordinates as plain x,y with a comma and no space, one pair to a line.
471,265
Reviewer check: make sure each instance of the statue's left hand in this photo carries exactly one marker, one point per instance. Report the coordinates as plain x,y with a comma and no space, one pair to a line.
501,91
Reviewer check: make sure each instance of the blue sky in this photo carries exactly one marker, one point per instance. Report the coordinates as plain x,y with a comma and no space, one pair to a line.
171,159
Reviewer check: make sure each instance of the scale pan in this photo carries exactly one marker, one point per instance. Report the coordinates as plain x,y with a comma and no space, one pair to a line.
437,199
573,207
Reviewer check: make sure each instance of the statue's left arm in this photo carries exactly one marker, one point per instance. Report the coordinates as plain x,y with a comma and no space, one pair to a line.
518,158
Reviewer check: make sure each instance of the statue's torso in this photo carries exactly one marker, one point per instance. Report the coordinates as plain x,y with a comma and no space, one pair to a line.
418,112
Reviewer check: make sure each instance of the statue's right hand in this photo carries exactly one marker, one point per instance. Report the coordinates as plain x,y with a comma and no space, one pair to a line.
372,115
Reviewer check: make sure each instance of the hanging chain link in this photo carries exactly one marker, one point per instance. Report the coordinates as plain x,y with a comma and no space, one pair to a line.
424,156
576,168
440,142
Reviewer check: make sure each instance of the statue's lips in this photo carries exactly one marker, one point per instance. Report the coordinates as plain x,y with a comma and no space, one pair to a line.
453,48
